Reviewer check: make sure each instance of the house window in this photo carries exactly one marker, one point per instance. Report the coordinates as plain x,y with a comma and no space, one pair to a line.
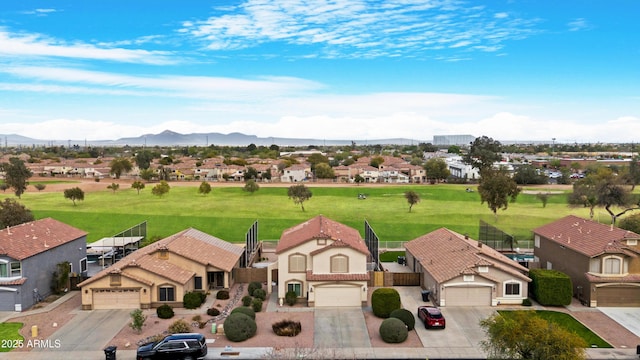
197,282
322,241
339,264
295,287
483,269
612,265
594,265
83,265
632,242
164,254
512,288
536,241
16,269
297,263
467,277
4,269
115,280
167,293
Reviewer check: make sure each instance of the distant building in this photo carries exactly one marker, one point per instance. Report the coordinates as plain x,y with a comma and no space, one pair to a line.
453,139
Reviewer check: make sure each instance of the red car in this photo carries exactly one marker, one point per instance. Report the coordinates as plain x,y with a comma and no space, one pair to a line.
431,316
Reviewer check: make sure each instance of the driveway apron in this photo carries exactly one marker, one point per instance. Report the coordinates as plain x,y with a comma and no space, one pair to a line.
88,330
340,327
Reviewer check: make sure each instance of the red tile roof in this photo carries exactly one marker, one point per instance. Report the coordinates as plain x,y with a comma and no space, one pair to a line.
585,236
321,227
445,254
25,240
337,277
13,282
631,278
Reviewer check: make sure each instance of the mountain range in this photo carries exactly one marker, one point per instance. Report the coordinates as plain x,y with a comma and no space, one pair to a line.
171,138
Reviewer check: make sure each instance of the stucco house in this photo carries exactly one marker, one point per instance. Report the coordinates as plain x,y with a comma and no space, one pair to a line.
29,255
459,271
161,273
603,261
323,261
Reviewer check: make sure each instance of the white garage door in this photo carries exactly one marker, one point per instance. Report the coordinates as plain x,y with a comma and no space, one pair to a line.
337,296
468,296
116,299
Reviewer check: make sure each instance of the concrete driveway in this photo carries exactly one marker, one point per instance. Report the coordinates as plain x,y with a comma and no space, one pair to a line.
340,327
628,317
88,330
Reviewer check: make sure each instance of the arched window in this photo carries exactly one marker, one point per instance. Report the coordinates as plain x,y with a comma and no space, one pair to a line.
339,264
612,265
297,263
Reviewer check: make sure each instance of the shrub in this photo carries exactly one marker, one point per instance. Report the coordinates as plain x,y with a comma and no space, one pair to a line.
239,327
406,316
287,328
246,300
196,317
384,301
260,294
164,311
192,300
222,295
244,310
256,304
213,312
179,326
551,287
203,296
137,320
393,331
291,298
526,302
253,286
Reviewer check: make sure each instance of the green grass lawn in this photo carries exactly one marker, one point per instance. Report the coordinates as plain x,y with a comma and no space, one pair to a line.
227,212
8,332
567,321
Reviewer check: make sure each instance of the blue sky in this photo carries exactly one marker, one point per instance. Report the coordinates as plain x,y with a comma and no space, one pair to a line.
343,69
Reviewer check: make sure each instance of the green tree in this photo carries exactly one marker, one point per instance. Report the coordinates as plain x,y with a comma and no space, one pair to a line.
74,194
524,335
299,194
584,194
119,166
497,189
358,179
147,174
436,169
137,320
143,159
324,171
528,174
13,213
16,175
113,187
160,189
376,161
483,153
204,188
412,198
315,159
631,223
250,173
138,185
39,186
251,186
604,189
543,197
453,149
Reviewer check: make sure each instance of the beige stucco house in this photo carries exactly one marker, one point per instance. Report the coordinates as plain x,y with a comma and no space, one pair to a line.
323,261
161,273
459,271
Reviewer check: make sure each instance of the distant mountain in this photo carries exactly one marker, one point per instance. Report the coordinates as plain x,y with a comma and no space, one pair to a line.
171,138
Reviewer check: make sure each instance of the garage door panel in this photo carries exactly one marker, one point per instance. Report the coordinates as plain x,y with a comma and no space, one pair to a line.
618,296
337,296
468,296
116,299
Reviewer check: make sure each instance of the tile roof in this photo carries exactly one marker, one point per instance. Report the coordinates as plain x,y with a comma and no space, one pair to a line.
585,236
13,282
190,243
445,254
631,278
25,240
321,227
337,277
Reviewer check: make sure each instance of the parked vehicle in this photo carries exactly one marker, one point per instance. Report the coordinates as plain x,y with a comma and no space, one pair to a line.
189,346
431,316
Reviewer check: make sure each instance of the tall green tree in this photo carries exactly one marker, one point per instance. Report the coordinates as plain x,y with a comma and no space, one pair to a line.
251,186
119,166
299,194
143,159
412,198
13,213
324,171
524,335
483,153
437,169
250,173
497,189
204,188
529,175
74,194
16,175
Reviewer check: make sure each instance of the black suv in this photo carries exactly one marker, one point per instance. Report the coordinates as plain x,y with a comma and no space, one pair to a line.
188,346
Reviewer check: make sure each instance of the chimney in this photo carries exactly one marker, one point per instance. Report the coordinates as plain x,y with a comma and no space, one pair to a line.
479,244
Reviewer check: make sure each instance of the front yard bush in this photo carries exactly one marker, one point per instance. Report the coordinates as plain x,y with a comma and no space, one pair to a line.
253,286
287,328
179,326
406,316
192,300
291,298
213,312
164,311
260,294
239,327
246,300
222,295
384,301
256,304
245,310
550,287
393,331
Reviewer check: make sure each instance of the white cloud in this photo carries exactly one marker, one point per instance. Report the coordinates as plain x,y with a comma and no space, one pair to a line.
578,24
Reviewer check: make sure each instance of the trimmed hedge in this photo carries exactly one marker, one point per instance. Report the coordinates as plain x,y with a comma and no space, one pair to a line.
246,300
213,312
253,286
406,316
244,310
384,301
164,311
393,331
222,295
256,304
291,298
192,300
239,327
550,287
260,294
